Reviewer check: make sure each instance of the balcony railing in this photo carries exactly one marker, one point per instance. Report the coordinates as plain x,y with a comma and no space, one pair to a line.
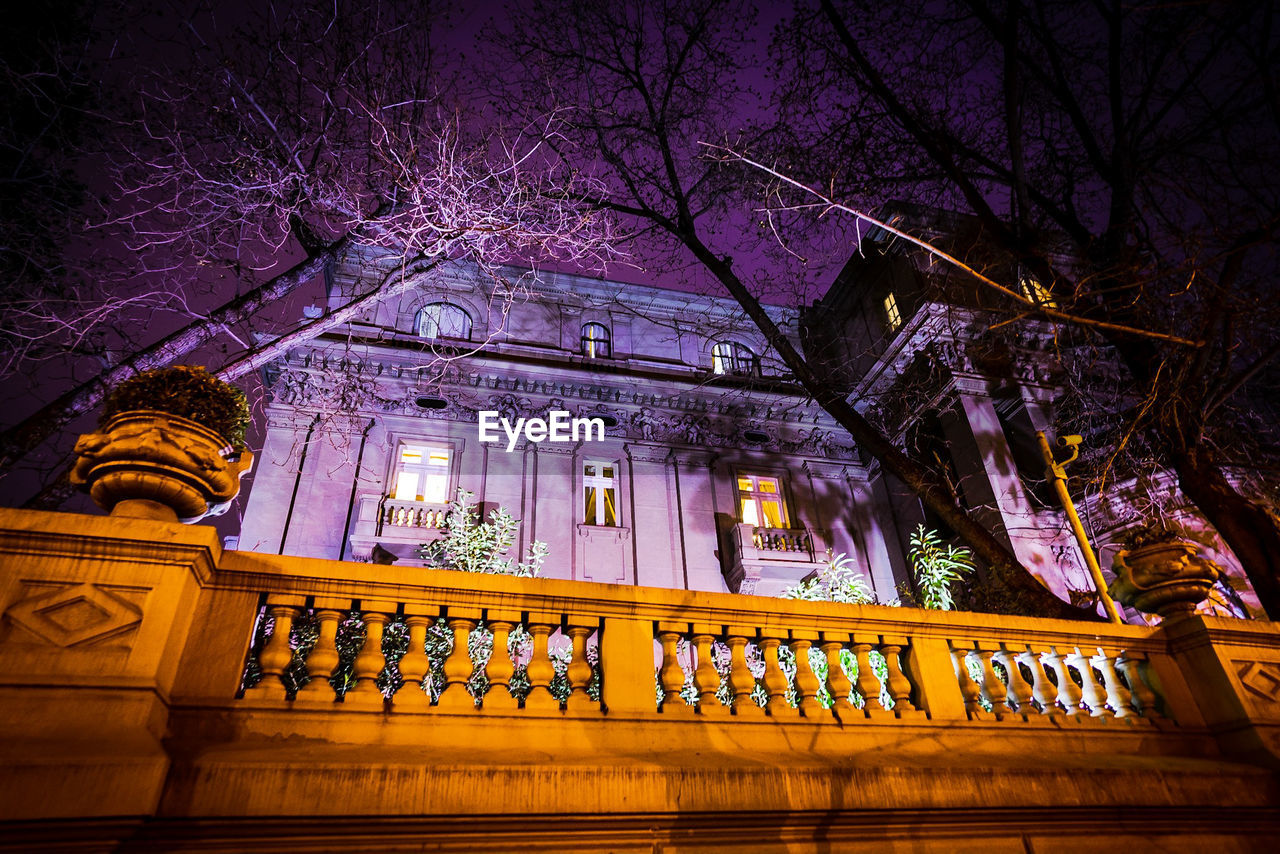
792,540
399,513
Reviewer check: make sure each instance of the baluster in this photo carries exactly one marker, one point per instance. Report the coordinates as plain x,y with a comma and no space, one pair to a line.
1042,690
868,683
500,668
775,681
369,663
458,667
415,668
579,672
276,655
969,689
993,689
1069,694
671,674
1091,691
807,685
323,659
1118,697
1132,665
898,684
541,670
706,679
838,683
1018,686
741,682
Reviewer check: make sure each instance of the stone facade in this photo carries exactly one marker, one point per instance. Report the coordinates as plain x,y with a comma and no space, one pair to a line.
699,420
686,425
933,361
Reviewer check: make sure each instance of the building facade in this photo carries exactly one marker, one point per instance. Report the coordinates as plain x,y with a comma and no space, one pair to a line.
714,471
932,359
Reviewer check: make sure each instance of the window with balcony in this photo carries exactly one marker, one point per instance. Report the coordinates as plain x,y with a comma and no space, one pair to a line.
443,320
728,357
595,341
761,502
600,493
421,474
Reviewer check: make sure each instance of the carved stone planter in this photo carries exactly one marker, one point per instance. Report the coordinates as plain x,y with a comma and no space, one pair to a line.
159,466
1169,579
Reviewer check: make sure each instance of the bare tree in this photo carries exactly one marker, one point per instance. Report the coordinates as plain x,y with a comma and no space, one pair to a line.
641,86
263,151
1120,154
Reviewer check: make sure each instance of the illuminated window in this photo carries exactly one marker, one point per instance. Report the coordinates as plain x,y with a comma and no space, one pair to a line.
892,313
1034,290
421,474
443,320
730,358
600,493
595,341
761,502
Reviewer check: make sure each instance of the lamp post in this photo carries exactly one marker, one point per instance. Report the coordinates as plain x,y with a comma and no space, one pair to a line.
1056,472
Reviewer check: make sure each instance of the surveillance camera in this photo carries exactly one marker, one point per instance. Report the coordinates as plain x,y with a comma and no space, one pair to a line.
1069,441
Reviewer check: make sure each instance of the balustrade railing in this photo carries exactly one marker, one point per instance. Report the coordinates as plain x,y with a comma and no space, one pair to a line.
1007,680
398,513
787,673
415,657
546,653
795,540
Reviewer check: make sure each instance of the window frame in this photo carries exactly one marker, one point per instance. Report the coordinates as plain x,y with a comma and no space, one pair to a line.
892,312
757,496
590,347
606,489
422,316
1036,291
740,361
428,447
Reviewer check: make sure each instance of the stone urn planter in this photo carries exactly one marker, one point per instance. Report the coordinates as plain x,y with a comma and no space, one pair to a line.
1167,578
176,457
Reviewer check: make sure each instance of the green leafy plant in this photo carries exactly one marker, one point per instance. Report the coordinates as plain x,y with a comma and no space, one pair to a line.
186,391
936,567
836,581
472,545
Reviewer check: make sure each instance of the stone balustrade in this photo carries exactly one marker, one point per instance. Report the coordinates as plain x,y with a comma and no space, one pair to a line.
154,681
783,540
399,513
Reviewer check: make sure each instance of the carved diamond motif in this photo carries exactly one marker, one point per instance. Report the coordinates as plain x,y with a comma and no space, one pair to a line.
74,616
1261,678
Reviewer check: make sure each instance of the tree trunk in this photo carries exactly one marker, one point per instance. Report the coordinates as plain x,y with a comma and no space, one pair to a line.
1249,529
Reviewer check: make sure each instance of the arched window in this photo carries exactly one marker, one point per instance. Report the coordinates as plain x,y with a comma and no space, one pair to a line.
730,358
443,320
595,341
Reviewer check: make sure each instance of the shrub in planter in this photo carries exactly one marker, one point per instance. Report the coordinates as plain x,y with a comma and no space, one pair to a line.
187,391
170,447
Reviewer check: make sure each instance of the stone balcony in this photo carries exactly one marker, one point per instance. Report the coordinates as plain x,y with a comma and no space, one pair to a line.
766,561
157,692
387,528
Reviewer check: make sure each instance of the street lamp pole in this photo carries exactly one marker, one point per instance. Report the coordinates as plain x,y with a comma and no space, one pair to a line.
1056,472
